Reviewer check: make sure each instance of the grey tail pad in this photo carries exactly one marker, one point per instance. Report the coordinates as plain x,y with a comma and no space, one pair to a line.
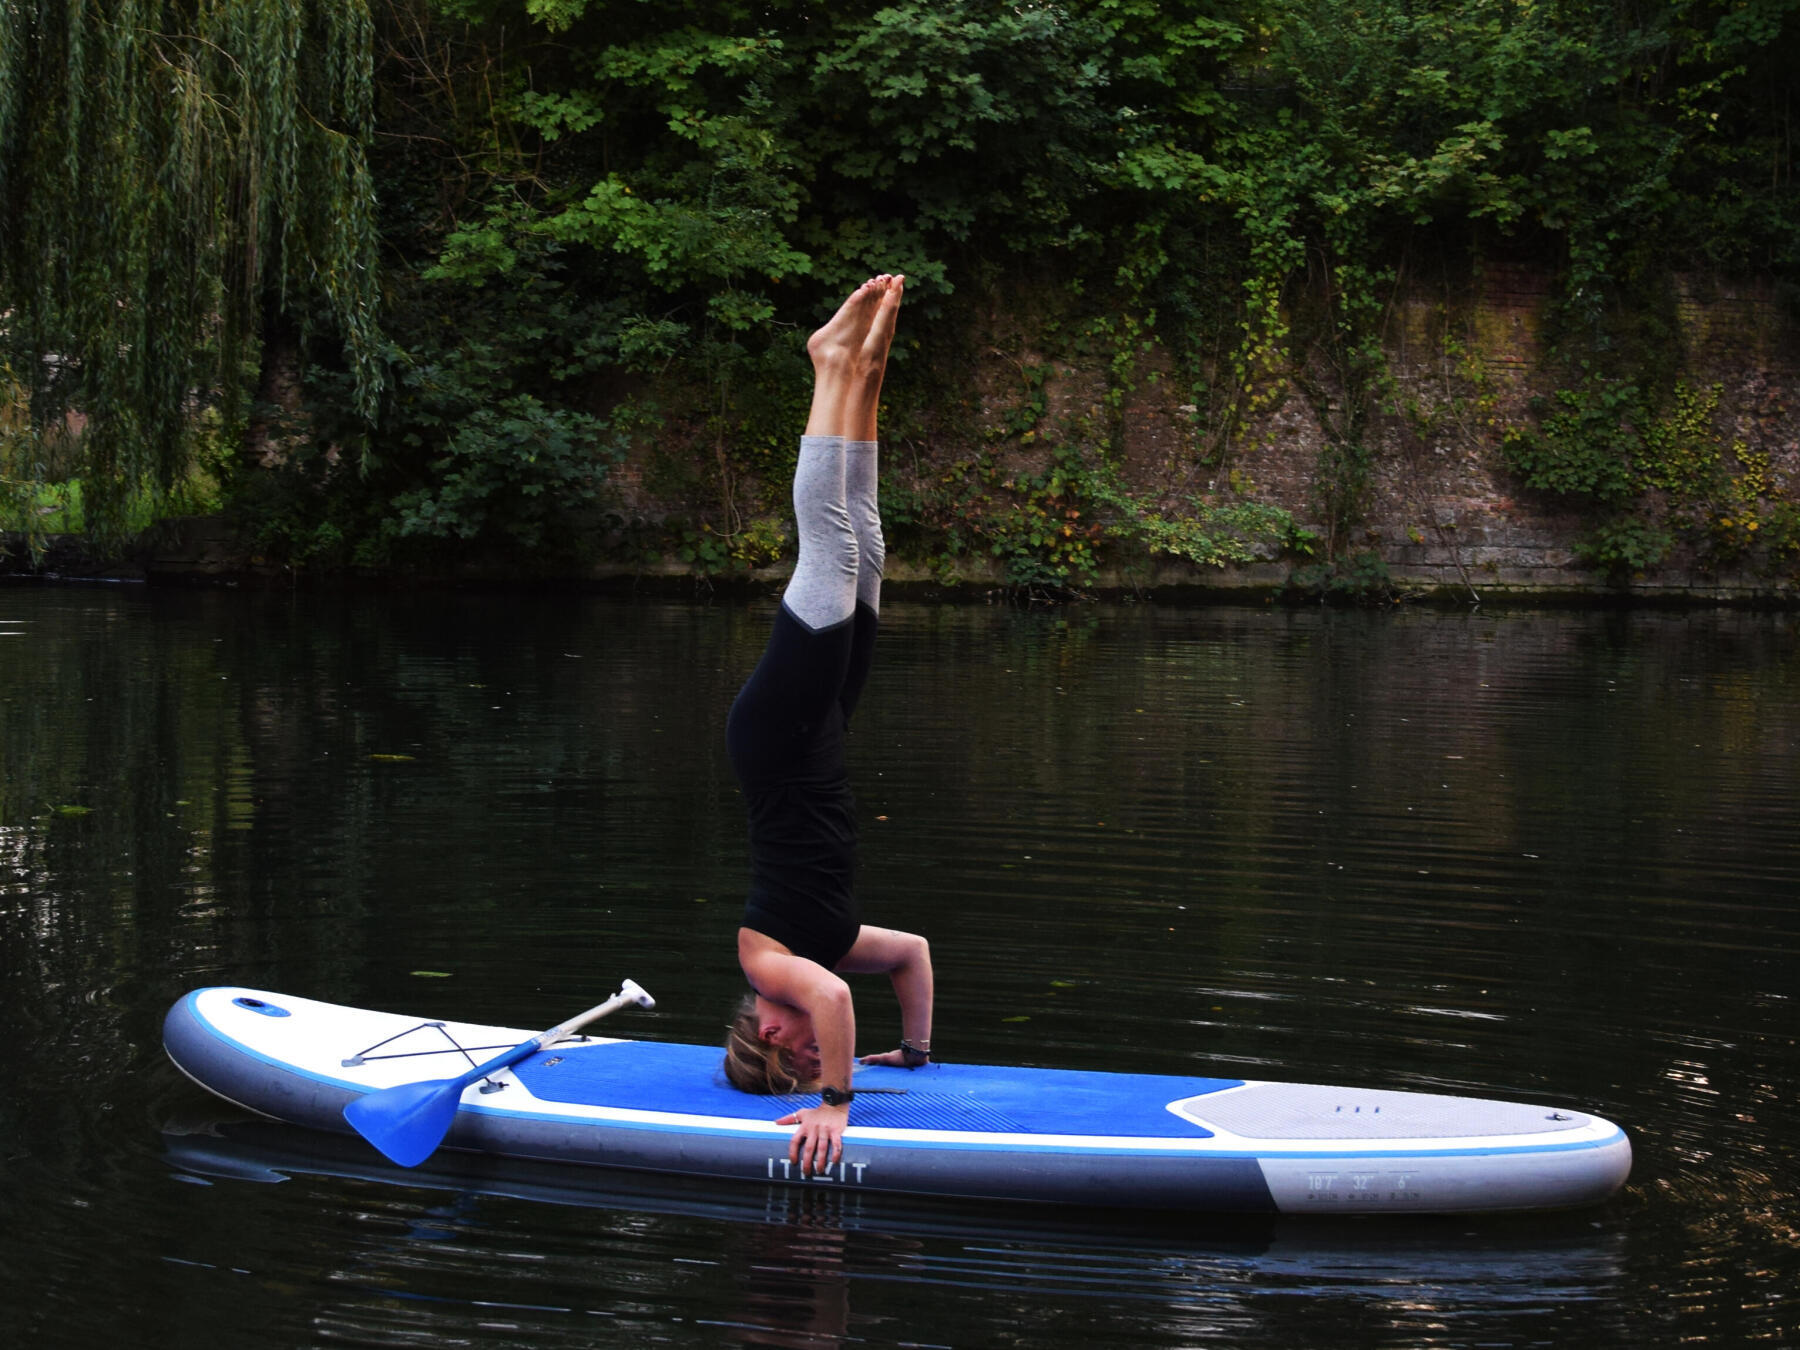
1311,1111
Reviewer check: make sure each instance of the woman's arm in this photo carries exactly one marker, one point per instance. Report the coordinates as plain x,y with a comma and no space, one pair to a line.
776,973
906,959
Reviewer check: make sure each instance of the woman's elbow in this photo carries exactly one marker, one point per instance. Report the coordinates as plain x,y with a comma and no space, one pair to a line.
831,996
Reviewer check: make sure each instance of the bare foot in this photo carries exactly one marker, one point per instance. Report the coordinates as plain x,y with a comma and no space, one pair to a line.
880,335
862,403
841,339
849,356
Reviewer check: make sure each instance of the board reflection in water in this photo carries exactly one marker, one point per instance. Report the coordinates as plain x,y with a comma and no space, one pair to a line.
791,1267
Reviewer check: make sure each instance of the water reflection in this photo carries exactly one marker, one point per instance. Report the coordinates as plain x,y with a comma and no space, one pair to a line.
796,1267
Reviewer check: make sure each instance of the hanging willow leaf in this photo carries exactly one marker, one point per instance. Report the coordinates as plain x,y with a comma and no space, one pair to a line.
176,175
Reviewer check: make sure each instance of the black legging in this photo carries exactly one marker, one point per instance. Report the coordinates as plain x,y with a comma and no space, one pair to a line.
785,736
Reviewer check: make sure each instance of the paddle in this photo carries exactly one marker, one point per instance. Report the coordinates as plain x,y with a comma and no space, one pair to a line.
409,1121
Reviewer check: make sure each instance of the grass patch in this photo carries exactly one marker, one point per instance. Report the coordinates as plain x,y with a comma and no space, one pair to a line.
42,508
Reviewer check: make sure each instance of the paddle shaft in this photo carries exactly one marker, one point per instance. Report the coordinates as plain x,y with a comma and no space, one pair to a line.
629,992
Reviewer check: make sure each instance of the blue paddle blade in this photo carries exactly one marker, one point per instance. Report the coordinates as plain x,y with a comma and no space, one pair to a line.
407,1122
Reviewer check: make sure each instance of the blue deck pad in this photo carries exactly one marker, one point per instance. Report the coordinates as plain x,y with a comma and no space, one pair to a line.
649,1076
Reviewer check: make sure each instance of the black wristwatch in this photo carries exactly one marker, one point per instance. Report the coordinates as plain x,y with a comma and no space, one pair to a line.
833,1097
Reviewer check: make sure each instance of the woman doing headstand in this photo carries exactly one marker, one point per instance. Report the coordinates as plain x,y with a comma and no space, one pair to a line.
800,933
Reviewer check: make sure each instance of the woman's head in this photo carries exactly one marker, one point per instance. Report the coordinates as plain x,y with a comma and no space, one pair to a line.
770,1048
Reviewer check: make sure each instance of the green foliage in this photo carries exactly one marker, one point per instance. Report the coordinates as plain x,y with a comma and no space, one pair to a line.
1360,577
171,176
1052,528
598,216
761,542
1624,546
1341,486
39,499
1036,524
492,436
1681,452
1209,535
1654,474
510,470
1583,446
1023,417
1778,531
1606,441
986,117
1038,533
21,470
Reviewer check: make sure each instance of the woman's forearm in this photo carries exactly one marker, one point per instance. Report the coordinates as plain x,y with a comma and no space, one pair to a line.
913,987
834,1023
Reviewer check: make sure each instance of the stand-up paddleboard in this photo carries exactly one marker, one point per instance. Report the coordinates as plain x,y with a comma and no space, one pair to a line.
1106,1139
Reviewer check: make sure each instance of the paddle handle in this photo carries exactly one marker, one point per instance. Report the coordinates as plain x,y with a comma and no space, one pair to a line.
630,992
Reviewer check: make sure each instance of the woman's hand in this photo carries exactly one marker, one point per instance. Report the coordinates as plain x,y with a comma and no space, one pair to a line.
896,1059
906,959
819,1142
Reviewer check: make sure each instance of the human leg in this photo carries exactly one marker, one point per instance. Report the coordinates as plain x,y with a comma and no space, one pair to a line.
862,504
861,404
861,479
818,654
841,354
865,520
834,484
822,591
861,458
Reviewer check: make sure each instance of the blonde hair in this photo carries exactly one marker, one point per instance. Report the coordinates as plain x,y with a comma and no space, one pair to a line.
755,1065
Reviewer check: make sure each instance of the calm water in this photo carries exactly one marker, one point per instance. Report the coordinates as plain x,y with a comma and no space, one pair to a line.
1551,857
